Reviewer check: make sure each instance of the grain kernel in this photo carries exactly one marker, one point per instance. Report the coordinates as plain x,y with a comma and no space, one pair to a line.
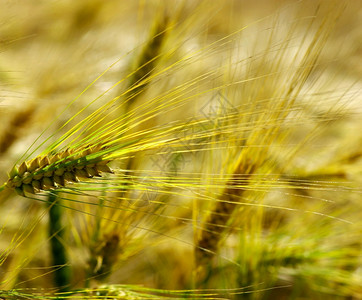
22,169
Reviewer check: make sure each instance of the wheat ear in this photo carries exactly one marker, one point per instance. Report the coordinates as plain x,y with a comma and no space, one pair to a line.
215,224
18,121
54,171
144,65
104,256
149,56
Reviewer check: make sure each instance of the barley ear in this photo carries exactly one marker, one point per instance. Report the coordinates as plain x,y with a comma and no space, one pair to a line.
144,65
104,257
149,56
215,224
51,172
18,121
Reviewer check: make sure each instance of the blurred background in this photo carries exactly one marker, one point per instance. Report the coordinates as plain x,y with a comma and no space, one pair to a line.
297,234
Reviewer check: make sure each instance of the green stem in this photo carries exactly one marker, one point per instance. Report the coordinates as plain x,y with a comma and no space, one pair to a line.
2,187
62,271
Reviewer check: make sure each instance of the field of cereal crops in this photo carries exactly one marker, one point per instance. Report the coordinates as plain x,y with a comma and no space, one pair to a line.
180,149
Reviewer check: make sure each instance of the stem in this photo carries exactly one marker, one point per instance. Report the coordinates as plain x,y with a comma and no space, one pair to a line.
62,271
2,187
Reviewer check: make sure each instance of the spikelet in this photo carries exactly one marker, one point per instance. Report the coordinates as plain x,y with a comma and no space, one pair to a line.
50,172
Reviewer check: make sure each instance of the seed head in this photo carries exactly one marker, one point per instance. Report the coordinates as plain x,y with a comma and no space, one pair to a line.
50,172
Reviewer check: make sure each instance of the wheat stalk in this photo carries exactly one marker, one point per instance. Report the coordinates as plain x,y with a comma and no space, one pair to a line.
62,271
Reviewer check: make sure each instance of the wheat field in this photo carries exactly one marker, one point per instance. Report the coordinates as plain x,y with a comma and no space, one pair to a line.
181,149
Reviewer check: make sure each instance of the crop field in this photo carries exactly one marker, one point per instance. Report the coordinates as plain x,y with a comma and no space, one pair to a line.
181,149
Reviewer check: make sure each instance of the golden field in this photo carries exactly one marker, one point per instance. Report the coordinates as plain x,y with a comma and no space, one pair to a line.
180,149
